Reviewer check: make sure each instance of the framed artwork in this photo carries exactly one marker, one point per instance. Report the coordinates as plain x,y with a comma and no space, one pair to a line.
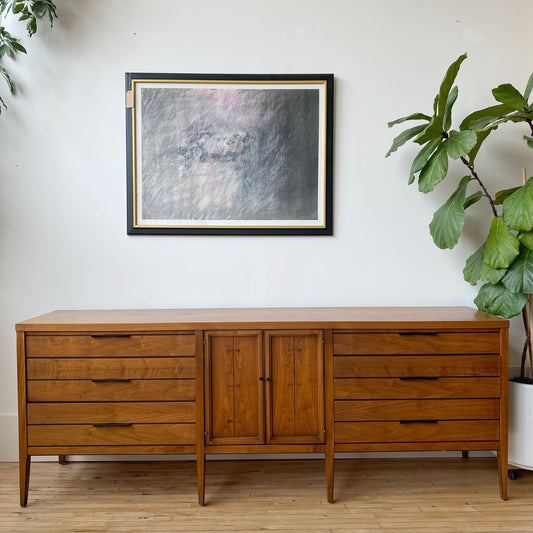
229,154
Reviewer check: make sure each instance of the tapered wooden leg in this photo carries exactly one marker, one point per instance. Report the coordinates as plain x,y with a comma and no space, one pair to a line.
330,474
24,479
200,471
200,422
502,474
62,459
465,454
330,421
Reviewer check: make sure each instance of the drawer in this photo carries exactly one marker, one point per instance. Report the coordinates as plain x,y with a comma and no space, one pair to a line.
108,345
92,413
435,431
384,410
111,391
416,343
112,368
383,388
416,366
127,435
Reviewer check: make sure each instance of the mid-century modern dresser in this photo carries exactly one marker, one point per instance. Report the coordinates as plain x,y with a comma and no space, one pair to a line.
273,380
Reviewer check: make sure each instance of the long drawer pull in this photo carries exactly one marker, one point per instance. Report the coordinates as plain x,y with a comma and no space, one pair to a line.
418,421
112,424
111,380
417,333
107,335
409,378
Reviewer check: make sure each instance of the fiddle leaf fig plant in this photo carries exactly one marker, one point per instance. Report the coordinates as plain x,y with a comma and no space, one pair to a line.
29,11
504,261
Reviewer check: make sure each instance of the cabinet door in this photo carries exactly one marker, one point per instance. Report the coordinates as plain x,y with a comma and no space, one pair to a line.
234,390
295,387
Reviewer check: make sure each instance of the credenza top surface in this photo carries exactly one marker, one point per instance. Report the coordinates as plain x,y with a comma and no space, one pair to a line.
378,318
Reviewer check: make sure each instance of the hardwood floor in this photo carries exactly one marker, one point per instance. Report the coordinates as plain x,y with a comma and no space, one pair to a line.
394,495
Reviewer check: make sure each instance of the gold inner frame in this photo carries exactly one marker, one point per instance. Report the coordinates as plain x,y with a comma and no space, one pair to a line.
137,81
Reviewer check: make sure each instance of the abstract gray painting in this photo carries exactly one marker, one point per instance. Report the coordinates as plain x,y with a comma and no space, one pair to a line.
239,155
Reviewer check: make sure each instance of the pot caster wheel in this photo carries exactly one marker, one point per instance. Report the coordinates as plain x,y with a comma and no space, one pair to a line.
513,474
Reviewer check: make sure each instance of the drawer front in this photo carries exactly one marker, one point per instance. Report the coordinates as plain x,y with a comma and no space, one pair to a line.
416,366
89,435
385,410
383,388
112,368
108,345
435,431
416,343
93,413
104,391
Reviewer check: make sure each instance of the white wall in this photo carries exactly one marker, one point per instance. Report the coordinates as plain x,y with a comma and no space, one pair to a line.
63,241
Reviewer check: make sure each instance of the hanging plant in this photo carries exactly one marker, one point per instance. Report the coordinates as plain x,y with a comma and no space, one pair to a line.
28,11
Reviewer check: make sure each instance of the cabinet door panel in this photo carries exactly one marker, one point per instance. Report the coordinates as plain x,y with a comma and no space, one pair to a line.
308,385
248,391
234,393
282,393
221,398
295,406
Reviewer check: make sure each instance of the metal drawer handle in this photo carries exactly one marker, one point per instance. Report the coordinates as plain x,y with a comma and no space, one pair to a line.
111,380
417,421
409,378
107,335
112,424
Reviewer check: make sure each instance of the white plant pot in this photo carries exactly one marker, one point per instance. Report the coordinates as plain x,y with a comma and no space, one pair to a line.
521,425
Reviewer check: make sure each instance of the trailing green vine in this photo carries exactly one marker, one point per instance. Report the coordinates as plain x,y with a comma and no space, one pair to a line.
29,11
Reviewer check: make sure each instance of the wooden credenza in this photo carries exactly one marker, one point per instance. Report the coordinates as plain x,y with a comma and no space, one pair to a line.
321,380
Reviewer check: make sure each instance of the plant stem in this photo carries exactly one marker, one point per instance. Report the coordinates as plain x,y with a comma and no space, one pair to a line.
530,122
477,178
527,344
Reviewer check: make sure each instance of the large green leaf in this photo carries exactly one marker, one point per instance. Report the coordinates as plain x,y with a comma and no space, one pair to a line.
435,170
403,138
518,208
481,136
529,87
501,247
448,221
421,159
526,238
500,196
479,120
519,277
492,275
473,266
460,143
447,84
508,95
432,131
497,300
447,118
413,116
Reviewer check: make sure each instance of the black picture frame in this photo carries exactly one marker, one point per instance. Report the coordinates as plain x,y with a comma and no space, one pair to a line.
229,154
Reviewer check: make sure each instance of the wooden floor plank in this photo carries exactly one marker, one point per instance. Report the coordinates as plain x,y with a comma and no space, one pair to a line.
372,495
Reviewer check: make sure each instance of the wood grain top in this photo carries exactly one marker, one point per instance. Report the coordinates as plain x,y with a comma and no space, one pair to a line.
378,318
